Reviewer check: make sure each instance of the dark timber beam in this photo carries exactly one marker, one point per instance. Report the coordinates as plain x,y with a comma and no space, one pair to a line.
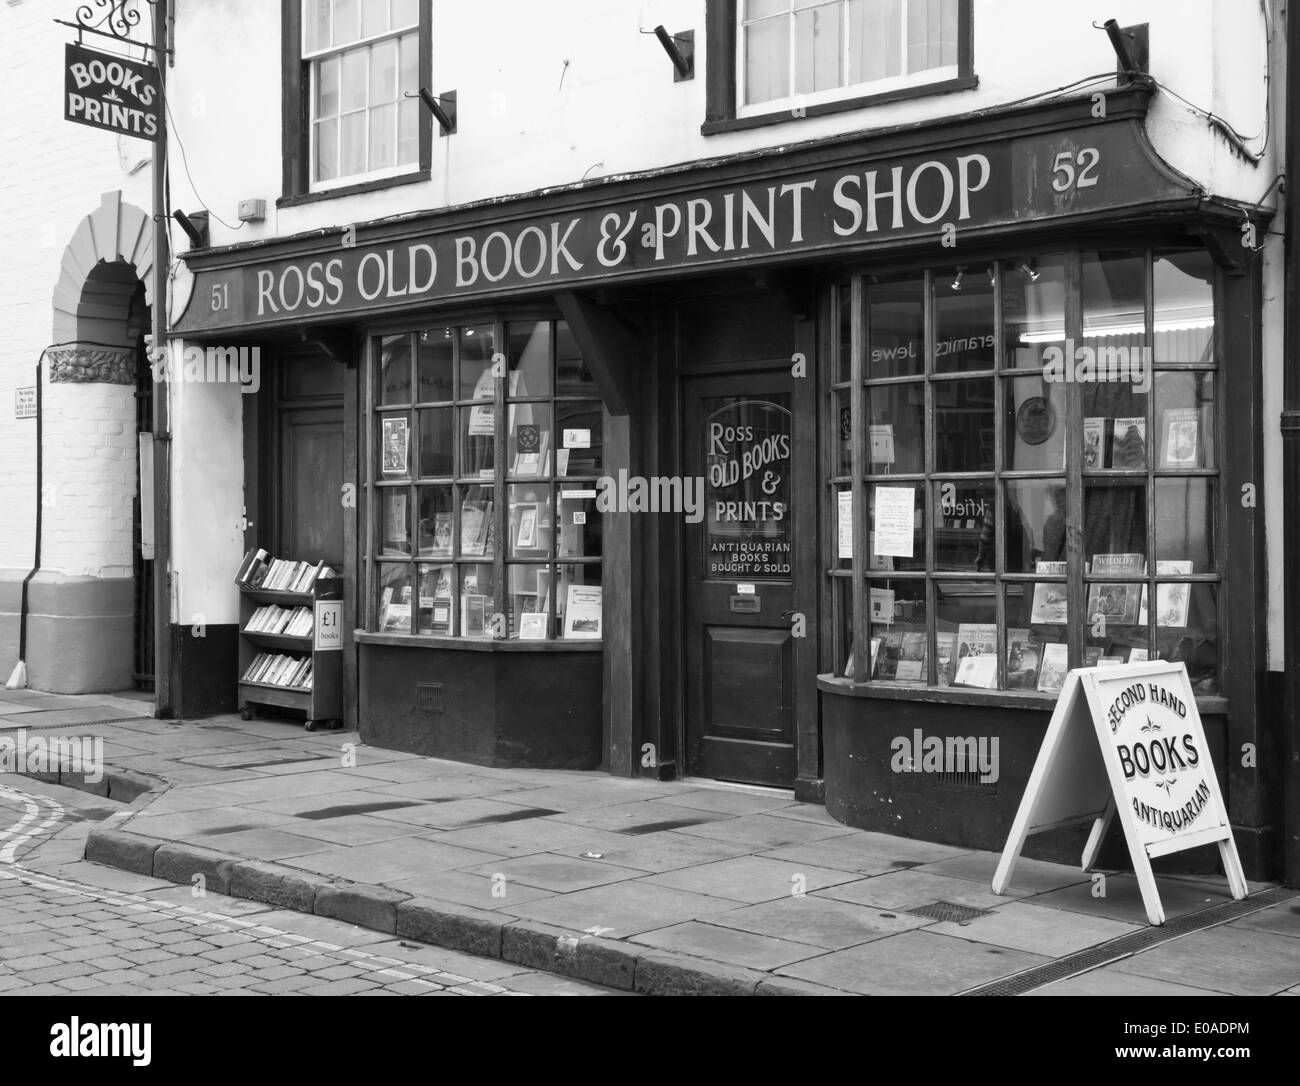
611,350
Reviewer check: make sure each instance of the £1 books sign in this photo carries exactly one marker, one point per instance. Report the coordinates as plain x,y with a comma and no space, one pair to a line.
1126,743
112,93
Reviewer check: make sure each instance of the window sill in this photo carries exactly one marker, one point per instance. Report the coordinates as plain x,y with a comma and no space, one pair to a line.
353,190
821,109
472,644
948,695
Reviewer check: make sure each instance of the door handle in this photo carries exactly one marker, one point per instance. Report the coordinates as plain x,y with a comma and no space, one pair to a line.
787,614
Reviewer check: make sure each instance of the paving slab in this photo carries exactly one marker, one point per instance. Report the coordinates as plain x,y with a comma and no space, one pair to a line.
466,888
621,909
349,829
1224,959
530,836
1037,930
1033,876
559,874
727,801
190,825
389,860
1109,981
914,963
667,850
639,816
819,921
265,844
751,879
459,814
719,944
765,832
1118,897
1279,920
912,887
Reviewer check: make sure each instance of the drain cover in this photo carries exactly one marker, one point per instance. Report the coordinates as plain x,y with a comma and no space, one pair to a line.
947,912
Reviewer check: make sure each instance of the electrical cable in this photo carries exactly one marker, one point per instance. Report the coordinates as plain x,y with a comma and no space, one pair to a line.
186,164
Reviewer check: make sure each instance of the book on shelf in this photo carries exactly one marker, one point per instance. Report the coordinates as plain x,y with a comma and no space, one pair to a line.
1023,658
1180,438
1173,601
1094,443
1054,665
1116,603
1051,602
1130,448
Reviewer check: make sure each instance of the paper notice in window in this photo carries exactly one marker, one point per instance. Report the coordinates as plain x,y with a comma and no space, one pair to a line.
846,523
895,520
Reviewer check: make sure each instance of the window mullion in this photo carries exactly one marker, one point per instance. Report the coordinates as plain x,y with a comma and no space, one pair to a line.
1077,591
861,636
500,514
1148,347
999,503
927,487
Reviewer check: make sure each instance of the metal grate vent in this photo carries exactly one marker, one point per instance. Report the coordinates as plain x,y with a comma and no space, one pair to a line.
967,779
947,912
428,697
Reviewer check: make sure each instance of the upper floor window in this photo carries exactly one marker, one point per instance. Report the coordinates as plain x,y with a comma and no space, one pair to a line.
349,66
814,50
772,60
361,55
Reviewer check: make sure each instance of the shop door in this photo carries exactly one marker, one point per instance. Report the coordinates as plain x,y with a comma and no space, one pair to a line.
741,661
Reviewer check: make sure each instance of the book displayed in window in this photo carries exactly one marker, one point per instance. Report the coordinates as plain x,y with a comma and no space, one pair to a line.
435,535
1024,656
1054,663
532,626
1173,601
582,612
395,613
1116,603
396,446
475,521
977,660
1130,449
531,445
1094,443
1180,438
1050,599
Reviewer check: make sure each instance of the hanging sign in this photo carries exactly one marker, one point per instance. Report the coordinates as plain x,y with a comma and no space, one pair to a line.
1127,742
113,93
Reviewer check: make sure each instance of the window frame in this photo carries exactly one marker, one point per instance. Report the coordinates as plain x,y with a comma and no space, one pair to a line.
372,556
724,70
857,573
296,116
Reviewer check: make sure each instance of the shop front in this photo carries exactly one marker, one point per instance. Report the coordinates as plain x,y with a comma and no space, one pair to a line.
773,469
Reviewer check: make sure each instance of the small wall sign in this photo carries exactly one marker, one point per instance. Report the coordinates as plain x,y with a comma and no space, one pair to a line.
329,626
25,403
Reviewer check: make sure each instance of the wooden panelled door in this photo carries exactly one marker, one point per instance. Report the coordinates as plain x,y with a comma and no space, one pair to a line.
740,650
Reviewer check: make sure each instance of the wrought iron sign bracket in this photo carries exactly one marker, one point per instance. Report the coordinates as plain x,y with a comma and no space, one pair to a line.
115,20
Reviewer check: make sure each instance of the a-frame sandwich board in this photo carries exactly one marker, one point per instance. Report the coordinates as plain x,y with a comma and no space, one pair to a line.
1127,742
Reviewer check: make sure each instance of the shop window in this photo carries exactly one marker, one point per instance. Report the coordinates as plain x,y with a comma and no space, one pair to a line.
1028,461
486,444
349,65
778,59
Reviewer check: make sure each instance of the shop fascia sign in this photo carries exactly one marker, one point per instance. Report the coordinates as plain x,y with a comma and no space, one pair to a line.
941,194
112,92
1126,742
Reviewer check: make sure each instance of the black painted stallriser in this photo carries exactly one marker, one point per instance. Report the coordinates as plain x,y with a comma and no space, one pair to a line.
505,709
863,791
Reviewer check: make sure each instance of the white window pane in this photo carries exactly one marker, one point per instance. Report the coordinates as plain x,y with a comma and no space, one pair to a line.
347,21
327,149
352,92
408,71
817,49
757,9
352,137
406,13
374,17
383,137
931,34
875,39
316,19
327,87
383,72
408,135
767,61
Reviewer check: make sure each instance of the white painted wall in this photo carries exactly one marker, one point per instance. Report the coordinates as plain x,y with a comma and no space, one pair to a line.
526,121
52,174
